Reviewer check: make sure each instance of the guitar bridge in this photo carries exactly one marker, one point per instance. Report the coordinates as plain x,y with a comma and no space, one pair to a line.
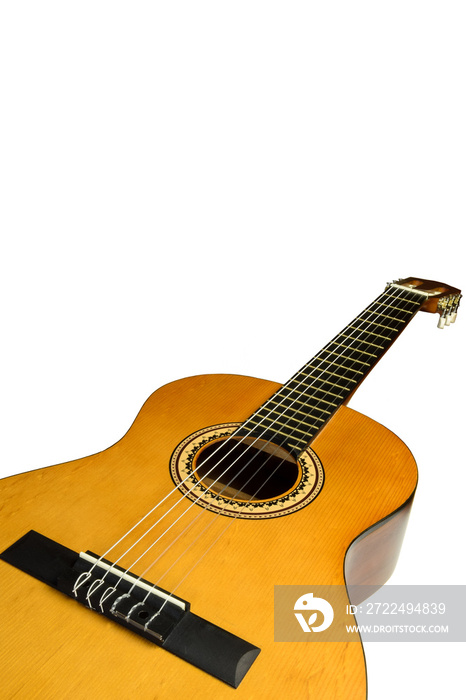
155,614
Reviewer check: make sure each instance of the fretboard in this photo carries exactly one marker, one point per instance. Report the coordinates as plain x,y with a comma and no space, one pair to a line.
300,408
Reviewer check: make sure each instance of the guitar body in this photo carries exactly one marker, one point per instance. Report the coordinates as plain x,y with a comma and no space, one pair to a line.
52,647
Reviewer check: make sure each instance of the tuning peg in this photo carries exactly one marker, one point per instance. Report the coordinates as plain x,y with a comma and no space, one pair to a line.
456,303
449,310
449,306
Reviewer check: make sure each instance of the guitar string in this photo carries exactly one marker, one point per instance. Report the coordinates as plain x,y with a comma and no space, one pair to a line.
326,393
100,582
303,381
196,539
187,527
181,499
192,542
359,318
229,483
173,589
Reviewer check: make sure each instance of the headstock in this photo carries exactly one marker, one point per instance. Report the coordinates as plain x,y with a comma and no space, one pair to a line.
439,298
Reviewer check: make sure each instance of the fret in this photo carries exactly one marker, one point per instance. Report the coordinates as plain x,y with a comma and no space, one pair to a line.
336,364
313,377
260,424
298,448
330,403
377,313
285,406
355,349
374,323
302,403
327,381
296,410
391,306
312,427
370,332
252,420
338,396
341,355
358,340
280,432
408,301
290,420
318,399
280,403
291,428
346,379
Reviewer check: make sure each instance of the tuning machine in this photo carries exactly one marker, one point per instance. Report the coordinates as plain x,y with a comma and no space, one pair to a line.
449,309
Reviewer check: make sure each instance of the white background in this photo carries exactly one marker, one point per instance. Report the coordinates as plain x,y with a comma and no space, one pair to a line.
200,187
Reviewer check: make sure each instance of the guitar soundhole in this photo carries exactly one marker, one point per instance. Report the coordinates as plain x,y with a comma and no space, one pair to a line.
235,468
235,478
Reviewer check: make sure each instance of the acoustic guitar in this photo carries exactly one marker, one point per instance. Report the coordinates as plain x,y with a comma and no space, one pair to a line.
148,570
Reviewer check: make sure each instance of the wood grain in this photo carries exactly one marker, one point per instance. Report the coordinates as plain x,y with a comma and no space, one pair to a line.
51,647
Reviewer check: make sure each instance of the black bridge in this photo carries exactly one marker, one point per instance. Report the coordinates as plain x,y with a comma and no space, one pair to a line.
136,604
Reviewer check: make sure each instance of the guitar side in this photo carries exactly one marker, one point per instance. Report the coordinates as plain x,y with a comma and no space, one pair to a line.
54,648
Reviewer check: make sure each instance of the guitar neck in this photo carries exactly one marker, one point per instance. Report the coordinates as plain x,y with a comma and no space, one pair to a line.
301,407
